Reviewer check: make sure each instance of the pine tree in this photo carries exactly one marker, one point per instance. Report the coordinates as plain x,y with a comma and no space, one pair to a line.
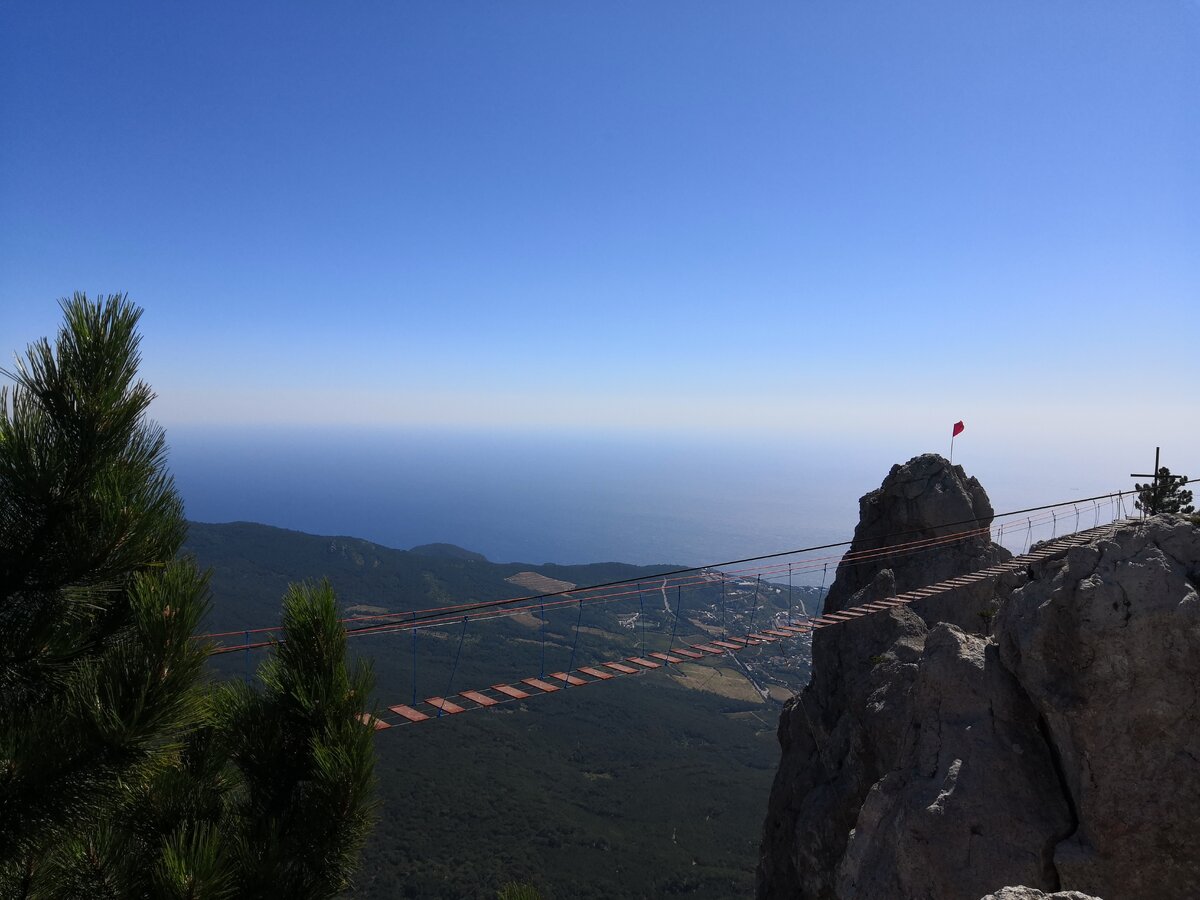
1165,494
306,756
124,770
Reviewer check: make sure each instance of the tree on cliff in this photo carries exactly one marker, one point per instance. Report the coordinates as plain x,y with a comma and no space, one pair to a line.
123,771
1165,494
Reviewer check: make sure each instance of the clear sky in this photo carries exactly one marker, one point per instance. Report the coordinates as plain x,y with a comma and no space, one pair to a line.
859,219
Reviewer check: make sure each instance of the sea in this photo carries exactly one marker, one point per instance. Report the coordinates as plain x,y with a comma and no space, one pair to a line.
538,497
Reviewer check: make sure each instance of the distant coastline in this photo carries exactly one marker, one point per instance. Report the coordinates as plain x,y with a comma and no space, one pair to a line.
516,498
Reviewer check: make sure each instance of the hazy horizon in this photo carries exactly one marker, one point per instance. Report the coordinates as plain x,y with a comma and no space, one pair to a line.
619,270
573,498
649,217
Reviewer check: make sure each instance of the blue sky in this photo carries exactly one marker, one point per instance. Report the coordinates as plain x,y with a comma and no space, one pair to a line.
867,220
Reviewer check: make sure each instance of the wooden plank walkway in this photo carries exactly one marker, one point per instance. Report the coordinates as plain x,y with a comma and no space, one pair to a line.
802,627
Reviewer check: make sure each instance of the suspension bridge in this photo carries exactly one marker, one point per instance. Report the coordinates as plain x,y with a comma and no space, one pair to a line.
784,629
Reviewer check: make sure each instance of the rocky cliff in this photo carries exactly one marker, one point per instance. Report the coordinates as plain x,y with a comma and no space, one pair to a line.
940,752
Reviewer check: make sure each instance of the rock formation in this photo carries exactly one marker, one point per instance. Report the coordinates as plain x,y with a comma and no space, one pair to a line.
1025,893
928,500
930,759
1106,644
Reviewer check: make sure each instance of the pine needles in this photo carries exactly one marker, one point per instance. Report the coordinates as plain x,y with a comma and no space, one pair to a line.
124,771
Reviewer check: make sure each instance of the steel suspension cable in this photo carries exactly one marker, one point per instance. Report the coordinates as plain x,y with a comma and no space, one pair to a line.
900,549
892,551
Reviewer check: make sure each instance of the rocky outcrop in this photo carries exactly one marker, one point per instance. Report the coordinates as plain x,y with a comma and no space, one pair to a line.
851,724
926,500
1106,644
1025,893
948,820
929,759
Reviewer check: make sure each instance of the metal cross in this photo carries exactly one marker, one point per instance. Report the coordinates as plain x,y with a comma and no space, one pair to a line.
1151,507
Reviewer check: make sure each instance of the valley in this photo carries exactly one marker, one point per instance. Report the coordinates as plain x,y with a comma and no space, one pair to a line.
641,787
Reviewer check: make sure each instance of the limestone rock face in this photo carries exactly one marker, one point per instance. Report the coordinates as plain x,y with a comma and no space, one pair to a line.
972,799
1106,644
1025,893
927,759
832,757
930,501
851,725
923,500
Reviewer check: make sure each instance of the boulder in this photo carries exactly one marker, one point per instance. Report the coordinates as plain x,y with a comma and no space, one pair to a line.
1026,893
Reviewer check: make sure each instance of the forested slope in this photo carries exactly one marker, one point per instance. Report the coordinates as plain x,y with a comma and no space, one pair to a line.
640,787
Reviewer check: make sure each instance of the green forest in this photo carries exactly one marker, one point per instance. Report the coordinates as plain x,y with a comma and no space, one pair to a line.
640,787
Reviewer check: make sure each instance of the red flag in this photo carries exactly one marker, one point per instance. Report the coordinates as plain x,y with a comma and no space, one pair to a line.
958,429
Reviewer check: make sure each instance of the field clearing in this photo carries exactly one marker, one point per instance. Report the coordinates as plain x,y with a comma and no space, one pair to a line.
721,681
549,644
529,620
779,693
766,725
542,584
587,629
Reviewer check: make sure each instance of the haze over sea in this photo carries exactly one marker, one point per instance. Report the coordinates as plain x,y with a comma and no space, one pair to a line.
653,282
576,497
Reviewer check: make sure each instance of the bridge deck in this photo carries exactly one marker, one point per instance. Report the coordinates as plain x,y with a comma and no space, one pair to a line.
802,626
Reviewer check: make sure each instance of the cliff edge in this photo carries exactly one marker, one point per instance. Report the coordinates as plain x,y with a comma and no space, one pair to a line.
1042,731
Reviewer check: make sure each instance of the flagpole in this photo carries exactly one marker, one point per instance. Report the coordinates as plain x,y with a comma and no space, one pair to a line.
952,449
